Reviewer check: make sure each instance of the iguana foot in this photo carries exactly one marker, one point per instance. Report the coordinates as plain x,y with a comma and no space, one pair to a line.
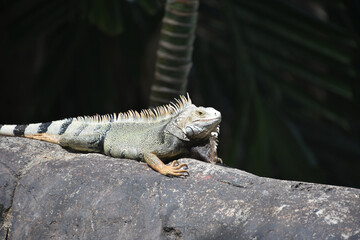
216,160
174,169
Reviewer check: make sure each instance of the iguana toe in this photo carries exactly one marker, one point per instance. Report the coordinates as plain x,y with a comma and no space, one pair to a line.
175,169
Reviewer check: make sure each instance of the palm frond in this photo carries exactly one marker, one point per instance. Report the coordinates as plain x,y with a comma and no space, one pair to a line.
279,62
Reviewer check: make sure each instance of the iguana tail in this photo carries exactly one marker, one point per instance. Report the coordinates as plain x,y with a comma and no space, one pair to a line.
49,131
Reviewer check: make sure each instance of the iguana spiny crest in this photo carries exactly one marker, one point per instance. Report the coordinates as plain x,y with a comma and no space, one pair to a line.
165,132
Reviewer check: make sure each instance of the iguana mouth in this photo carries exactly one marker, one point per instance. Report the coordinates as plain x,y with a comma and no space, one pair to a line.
208,119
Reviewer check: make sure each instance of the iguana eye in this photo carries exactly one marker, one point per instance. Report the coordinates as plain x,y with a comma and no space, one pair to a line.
200,113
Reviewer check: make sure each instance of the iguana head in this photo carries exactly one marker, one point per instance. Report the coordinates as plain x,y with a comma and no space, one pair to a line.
197,123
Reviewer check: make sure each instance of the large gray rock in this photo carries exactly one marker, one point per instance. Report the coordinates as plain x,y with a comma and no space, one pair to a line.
47,192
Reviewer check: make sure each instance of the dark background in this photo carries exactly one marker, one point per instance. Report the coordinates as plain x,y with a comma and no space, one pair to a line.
284,74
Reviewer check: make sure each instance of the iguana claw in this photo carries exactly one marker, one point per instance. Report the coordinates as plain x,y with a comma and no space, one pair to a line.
175,169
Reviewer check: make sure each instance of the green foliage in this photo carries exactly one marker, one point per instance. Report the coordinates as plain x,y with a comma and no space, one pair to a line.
88,50
106,15
287,73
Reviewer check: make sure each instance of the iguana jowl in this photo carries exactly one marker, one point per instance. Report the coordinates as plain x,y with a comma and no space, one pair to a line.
165,132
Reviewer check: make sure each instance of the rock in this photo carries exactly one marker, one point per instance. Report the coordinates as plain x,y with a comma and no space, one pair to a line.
48,192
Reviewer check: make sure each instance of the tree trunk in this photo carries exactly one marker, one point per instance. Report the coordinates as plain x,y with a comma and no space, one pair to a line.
174,54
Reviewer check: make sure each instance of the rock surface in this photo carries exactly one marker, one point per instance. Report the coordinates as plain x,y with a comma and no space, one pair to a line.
47,192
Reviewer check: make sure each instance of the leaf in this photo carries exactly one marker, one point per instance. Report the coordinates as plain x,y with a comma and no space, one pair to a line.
106,15
150,6
278,63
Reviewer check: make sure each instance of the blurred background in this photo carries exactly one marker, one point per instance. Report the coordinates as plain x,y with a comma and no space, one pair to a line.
284,74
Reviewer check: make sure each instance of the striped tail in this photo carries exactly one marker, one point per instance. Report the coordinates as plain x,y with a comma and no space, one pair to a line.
49,131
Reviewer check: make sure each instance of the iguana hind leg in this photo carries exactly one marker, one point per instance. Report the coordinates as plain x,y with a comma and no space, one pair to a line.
92,142
174,169
52,138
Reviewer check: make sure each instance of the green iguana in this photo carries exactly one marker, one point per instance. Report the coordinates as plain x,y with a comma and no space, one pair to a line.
165,132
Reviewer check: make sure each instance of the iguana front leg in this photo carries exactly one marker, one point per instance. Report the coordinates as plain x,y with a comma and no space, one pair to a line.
207,151
172,170
213,149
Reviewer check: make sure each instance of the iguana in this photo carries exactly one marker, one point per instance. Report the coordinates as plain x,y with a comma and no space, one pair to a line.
165,132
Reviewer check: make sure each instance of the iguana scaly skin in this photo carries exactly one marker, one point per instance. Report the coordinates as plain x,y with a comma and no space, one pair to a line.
165,132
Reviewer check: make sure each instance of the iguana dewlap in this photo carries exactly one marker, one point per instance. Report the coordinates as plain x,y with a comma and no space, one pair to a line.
165,133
